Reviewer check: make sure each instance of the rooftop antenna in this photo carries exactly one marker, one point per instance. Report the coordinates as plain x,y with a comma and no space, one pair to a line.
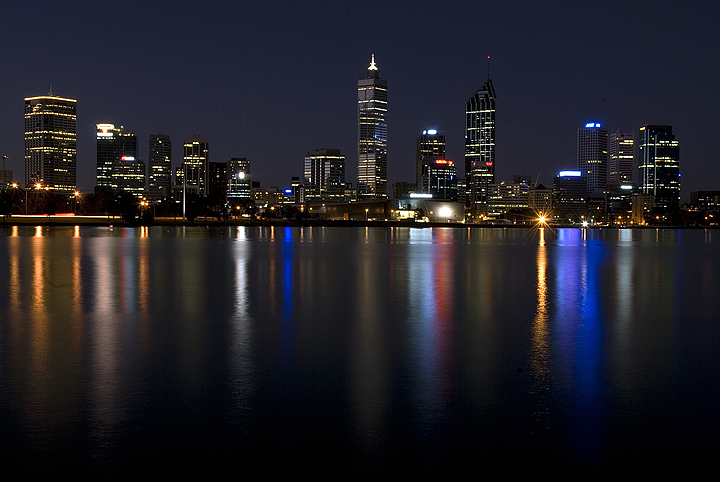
488,63
50,88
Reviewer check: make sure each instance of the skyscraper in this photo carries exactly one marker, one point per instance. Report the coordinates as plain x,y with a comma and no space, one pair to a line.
238,178
430,146
480,145
324,175
118,168
592,156
621,163
50,143
660,165
372,134
160,160
195,164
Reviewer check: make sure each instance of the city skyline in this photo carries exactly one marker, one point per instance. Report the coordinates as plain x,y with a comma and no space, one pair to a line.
300,85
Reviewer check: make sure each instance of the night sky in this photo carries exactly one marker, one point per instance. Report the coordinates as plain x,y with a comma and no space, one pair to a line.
271,80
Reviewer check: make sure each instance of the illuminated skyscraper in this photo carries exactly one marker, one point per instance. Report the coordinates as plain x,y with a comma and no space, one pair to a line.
480,145
660,165
372,134
324,176
160,160
239,182
195,164
430,146
50,143
118,168
592,156
621,163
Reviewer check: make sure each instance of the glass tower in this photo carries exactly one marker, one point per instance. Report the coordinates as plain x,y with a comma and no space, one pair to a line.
592,156
50,143
118,168
621,159
480,145
372,134
195,164
660,165
160,160
429,146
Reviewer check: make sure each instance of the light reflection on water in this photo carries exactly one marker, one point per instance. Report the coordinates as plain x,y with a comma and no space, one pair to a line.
373,345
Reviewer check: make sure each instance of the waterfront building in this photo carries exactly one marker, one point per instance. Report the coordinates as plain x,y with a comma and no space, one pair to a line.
324,176
621,158
429,146
505,196
570,196
372,134
160,163
592,156
118,167
439,178
660,165
195,164
705,200
540,200
239,185
480,145
218,182
51,143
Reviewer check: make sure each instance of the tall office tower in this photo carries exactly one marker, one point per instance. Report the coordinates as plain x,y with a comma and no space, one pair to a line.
660,165
324,176
480,145
160,160
621,163
50,143
118,168
439,178
592,156
430,146
195,164
372,134
238,178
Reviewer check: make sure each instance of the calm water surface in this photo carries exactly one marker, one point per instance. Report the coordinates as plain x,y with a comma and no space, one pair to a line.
301,348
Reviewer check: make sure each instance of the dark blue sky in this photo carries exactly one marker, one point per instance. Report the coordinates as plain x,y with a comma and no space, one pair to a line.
271,80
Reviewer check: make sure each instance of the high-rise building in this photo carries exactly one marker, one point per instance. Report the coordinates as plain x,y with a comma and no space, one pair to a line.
439,178
324,176
660,165
372,134
570,196
621,163
430,146
592,156
195,164
480,145
218,182
50,143
118,168
160,160
238,178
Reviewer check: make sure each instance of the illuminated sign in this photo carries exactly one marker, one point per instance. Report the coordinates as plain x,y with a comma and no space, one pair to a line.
570,174
488,163
592,125
432,132
288,191
127,158
625,186
421,196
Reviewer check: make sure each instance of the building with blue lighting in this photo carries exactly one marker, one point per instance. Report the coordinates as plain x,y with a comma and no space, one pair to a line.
429,146
570,196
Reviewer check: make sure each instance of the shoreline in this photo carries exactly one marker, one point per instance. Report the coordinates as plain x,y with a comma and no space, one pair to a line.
65,220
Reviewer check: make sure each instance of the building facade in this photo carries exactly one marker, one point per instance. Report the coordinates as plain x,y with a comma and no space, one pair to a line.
239,182
324,176
659,167
118,168
592,156
621,158
372,134
429,146
160,161
480,145
439,178
51,143
195,165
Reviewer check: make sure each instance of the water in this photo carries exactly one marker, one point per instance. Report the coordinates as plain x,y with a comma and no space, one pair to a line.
288,349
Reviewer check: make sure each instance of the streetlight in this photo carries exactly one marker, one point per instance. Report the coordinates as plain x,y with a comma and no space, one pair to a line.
77,195
366,214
